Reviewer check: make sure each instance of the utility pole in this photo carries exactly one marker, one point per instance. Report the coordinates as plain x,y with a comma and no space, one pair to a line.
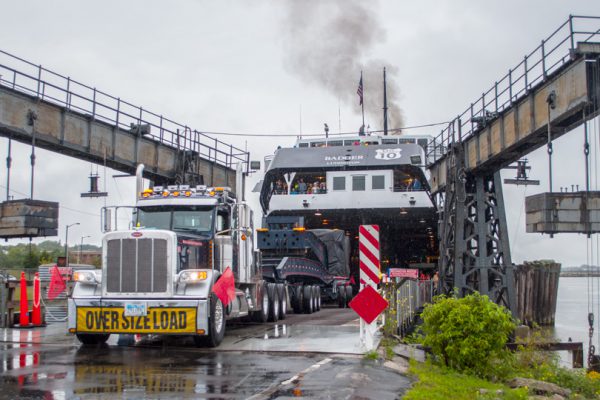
80,247
67,242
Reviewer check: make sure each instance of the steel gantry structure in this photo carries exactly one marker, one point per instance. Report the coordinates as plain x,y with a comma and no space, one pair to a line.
554,89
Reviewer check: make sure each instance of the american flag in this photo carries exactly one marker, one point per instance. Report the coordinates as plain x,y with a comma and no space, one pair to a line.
359,91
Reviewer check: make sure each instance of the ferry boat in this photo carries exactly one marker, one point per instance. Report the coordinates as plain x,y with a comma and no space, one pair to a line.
343,182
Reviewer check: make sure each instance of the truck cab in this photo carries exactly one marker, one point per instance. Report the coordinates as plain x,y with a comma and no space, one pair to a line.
158,274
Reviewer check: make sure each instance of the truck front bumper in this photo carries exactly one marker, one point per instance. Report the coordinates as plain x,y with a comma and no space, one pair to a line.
171,316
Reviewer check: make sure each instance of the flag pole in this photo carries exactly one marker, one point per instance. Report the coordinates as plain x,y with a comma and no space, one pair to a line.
385,107
362,102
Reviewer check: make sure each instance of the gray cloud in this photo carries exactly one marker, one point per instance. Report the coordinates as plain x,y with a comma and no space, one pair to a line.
328,43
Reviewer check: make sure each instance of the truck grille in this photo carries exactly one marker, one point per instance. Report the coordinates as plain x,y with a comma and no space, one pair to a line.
136,266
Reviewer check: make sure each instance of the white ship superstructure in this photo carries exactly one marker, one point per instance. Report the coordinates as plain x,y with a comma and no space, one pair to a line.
343,182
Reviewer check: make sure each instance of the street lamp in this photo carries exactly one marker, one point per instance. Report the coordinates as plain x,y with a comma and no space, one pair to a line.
80,246
67,242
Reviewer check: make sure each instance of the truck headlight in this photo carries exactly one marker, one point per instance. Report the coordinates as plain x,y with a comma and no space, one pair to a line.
85,277
192,276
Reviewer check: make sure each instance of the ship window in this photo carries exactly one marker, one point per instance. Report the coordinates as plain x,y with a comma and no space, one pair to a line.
378,182
339,183
406,141
302,144
389,141
317,144
351,142
358,183
335,143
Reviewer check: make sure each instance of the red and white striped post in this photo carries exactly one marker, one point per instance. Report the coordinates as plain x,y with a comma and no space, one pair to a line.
370,274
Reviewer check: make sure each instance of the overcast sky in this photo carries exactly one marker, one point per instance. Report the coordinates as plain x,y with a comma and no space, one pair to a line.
255,67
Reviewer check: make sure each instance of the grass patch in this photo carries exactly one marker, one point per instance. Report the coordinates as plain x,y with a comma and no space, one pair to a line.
371,355
387,344
436,382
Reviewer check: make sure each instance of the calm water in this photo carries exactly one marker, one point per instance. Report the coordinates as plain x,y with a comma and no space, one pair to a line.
572,313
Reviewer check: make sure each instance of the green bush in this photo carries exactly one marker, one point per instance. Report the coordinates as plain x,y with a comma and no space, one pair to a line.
467,334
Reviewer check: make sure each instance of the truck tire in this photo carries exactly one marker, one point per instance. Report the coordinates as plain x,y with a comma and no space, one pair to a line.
297,299
91,339
349,294
318,298
216,324
315,294
341,296
283,300
307,304
274,302
262,315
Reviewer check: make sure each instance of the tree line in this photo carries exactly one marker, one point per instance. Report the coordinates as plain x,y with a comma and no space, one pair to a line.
32,255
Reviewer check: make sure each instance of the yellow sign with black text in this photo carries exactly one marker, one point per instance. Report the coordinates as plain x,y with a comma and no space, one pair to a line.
157,320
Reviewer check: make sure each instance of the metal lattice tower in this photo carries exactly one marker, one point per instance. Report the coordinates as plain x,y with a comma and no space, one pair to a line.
474,250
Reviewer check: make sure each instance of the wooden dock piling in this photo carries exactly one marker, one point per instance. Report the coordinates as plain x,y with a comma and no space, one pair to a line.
536,285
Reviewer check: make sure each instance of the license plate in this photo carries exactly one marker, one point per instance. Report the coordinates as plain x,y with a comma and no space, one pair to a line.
158,320
135,310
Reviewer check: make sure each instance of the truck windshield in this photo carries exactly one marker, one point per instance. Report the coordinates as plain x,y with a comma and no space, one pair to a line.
193,219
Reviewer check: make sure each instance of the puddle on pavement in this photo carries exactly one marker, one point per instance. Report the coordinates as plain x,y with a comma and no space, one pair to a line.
278,332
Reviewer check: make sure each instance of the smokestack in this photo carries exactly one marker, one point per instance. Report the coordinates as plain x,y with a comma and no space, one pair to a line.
385,107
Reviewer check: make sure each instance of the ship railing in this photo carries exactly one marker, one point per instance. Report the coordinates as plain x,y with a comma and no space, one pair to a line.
404,188
535,68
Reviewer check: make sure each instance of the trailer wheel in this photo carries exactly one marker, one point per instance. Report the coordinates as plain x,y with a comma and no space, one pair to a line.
315,294
349,294
341,296
318,298
263,314
283,300
274,302
298,299
216,324
308,299
91,339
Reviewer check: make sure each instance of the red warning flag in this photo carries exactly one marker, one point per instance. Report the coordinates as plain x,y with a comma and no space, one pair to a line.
224,288
57,284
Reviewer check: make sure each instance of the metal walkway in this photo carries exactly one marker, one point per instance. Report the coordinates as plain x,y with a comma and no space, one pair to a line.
554,89
554,85
66,116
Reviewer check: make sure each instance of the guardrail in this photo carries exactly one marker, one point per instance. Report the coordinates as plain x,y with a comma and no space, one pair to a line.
407,299
553,52
35,80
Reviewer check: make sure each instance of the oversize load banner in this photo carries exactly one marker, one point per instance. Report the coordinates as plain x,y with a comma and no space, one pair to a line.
158,320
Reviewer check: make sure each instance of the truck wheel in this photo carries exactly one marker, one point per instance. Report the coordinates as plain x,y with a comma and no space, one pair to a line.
263,314
318,298
315,298
349,294
283,303
274,302
216,324
341,296
298,299
91,339
308,299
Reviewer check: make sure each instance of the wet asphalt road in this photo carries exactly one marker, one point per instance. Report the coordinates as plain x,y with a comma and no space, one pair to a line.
51,365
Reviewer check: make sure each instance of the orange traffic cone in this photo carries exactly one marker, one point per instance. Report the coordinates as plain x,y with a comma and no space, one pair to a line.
24,313
36,315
